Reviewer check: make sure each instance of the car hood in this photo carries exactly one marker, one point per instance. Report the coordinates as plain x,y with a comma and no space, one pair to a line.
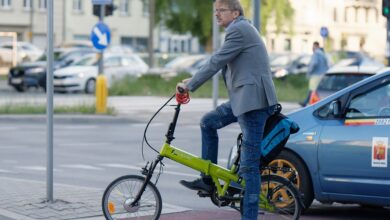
304,118
76,69
29,65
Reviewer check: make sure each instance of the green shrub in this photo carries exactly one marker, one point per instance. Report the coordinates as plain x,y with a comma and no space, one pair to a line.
27,108
290,88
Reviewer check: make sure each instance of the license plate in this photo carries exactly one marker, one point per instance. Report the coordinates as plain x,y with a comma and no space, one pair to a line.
16,80
57,82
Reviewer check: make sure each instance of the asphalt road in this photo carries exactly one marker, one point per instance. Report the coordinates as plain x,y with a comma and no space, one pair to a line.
94,154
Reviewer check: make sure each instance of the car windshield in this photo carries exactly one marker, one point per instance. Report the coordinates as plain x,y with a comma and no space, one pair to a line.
56,57
335,82
86,61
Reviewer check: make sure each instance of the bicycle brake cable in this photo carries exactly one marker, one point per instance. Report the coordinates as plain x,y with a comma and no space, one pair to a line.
145,140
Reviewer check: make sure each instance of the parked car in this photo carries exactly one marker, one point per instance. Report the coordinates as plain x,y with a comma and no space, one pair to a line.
187,63
341,150
352,58
25,52
81,75
279,62
338,78
295,66
33,74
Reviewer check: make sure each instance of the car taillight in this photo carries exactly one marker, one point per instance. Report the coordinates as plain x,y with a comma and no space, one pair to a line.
314,97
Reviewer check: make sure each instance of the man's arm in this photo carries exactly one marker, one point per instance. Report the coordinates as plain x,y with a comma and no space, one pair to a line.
230,49
313,63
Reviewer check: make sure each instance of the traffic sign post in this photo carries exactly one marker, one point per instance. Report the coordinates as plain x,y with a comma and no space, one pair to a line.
101,37
101,2
324,34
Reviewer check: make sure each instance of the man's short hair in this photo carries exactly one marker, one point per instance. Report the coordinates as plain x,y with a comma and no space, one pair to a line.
234,5
316,44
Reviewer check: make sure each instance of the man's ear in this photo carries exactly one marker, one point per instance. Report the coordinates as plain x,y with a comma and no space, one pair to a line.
236,14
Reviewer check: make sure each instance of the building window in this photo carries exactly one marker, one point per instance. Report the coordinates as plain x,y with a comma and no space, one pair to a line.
42,5
77,6
335,14
6,4
145,8
27,4
287,45
124,7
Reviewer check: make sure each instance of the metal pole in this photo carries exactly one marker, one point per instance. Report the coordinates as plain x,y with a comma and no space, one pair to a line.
63,21
151,33
388,42
215,48
256,14
49,110
101,67
30,34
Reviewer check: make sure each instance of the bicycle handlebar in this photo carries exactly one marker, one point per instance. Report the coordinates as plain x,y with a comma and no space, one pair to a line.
182,97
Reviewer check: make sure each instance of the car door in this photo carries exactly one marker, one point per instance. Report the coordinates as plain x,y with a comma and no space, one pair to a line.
112,68
353,149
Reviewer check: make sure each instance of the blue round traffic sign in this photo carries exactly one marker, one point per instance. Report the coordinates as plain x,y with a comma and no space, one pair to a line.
100,36
324,32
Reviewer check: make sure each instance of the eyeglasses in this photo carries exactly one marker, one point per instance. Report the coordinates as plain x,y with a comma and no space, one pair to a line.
221,10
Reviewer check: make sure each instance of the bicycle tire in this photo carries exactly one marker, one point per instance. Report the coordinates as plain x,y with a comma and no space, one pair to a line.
279,199
122,191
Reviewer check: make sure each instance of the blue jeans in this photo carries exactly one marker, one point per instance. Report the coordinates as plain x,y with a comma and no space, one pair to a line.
252,126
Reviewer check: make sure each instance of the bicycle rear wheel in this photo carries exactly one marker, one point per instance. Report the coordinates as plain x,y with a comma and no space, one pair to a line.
279,199
121,193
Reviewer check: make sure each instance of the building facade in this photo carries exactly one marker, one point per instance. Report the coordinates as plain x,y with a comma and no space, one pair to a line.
356,25
74,19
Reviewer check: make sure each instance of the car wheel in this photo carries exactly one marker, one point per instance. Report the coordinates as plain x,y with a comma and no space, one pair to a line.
20,88
90,86
303,182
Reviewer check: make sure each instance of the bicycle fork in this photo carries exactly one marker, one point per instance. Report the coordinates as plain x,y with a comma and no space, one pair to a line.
148,172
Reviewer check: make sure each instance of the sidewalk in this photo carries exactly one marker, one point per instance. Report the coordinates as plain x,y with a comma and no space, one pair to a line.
128,109
25,200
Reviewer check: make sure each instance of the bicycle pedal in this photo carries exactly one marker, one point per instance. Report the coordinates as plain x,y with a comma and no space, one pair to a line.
203,194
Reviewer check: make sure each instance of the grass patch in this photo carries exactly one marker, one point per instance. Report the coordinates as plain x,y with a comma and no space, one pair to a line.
291,88
27,108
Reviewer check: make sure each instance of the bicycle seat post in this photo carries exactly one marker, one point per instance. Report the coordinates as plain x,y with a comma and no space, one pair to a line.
172,126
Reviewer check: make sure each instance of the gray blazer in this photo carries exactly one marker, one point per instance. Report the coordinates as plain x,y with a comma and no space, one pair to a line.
245,68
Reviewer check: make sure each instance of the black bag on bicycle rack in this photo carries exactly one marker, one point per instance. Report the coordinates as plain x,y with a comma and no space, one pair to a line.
277,130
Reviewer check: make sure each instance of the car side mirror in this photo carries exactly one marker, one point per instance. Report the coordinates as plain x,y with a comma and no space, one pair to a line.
335,109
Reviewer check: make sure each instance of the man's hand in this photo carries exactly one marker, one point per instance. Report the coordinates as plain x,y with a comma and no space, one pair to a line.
183,86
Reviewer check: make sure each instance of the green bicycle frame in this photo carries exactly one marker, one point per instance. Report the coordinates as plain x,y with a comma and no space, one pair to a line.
216,172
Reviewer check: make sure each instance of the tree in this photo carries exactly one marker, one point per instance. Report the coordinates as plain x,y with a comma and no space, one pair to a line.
195,16
278,11
187,16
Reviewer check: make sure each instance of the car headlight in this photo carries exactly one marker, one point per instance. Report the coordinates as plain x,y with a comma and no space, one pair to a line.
76,75
281,73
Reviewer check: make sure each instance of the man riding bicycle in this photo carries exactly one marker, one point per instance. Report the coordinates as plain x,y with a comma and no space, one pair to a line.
245,68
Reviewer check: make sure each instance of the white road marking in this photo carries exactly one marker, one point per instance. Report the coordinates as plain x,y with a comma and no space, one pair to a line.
8,128
7,171
125,166
36,168
78,127
81,166
85,144
13,147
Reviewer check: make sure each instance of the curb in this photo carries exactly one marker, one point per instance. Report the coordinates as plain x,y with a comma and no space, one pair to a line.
69,119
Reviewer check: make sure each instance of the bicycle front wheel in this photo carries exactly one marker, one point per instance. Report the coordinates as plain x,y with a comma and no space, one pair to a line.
279,199
117,199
